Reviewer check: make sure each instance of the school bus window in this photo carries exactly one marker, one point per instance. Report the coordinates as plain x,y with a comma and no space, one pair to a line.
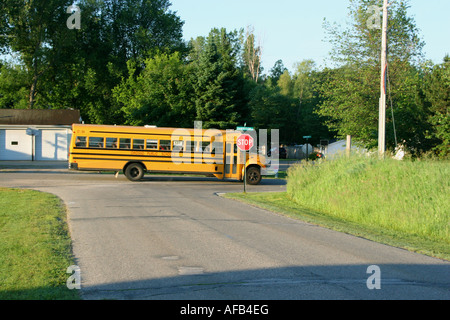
152,144
197,146
206,146
111,143
138,144
228,148
125,143
177,145
95,142
80,142
217,148
189,146
164,145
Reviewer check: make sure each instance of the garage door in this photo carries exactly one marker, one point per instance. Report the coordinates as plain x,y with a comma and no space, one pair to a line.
52,144
15,145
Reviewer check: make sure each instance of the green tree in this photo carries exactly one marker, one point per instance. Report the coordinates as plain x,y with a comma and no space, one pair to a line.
79,68
351,95
113,33
302,81
160,95
437,92
136,28
307,84
272,110
275,73
195,48
218,83
13,87
252,55
34,29
303,95
302,92
286,84
350,104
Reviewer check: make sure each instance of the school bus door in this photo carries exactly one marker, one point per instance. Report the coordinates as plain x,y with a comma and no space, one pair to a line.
230,163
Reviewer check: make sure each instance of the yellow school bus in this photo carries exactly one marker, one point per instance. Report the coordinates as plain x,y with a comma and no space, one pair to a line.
137,150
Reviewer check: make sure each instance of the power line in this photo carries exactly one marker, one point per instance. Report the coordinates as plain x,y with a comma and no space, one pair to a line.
392,108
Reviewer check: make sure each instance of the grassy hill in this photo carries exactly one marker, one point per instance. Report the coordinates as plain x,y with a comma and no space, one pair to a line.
401,203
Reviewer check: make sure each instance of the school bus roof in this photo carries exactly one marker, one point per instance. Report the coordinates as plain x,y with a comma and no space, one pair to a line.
94,128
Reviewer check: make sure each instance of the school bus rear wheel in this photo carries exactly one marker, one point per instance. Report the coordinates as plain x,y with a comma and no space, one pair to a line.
134,171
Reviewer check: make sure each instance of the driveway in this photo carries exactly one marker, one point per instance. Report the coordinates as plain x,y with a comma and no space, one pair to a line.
175,238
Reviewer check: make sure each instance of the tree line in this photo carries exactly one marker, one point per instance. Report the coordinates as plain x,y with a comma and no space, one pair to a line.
129,64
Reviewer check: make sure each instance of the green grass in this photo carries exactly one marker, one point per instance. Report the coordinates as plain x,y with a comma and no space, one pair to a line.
280,175
35,247
401,203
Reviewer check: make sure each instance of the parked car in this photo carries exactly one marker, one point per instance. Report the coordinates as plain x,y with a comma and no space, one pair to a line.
282,152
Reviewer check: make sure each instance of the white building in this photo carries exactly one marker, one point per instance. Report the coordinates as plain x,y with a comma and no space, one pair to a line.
339,147
36,135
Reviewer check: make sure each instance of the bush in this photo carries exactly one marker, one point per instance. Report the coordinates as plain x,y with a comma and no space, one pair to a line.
315,155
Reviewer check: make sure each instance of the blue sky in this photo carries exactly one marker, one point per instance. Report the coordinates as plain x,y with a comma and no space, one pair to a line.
291,30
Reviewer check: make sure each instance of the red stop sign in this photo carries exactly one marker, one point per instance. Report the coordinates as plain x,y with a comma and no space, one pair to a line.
244,142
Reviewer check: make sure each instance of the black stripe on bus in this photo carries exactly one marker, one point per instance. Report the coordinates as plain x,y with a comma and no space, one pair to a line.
181,161
118,155
141,156
135,150
128,150
154,171
147,134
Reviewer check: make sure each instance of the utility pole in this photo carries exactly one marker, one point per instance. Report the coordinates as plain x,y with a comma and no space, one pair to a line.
348,147
382,109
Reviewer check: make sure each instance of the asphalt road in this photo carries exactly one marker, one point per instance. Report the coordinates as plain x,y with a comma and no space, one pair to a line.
175,238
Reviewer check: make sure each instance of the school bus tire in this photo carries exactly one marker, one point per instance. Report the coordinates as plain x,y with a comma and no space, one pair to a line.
253,175
134,171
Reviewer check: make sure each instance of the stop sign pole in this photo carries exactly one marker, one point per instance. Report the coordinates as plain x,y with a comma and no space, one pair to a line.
245,143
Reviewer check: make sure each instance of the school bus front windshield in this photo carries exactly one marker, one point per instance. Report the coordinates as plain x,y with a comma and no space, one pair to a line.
138,150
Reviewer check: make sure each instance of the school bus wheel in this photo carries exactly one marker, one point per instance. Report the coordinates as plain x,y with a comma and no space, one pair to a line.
134,171
253,175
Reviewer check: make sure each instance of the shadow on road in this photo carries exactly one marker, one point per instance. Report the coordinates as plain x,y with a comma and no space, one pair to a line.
268,182
355,282
286,283
146,178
